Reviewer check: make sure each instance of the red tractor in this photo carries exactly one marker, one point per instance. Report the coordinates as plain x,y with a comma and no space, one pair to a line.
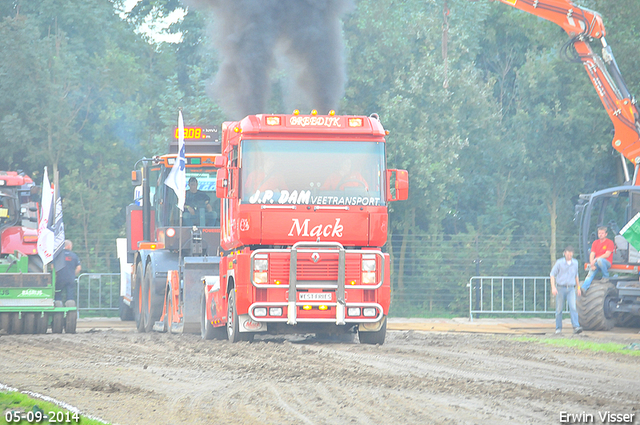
18,217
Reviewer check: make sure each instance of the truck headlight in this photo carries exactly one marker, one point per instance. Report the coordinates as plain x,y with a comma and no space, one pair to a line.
275,311
369,269
353,311
260,269
369,312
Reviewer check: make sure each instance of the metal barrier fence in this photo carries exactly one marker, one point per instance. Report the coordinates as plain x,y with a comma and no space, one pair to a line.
510,295
98,293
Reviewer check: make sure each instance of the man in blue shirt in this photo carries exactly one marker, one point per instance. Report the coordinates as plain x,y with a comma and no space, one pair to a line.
66,276
564,285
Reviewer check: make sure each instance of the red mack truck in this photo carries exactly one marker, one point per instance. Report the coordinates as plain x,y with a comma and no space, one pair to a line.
303,218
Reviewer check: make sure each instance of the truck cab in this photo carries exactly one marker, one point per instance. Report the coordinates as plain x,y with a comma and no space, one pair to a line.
163,245
303,220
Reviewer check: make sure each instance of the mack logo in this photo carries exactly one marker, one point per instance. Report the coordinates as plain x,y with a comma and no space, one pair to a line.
333,230
250,325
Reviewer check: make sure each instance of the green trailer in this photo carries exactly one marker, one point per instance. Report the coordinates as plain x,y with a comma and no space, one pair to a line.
27,300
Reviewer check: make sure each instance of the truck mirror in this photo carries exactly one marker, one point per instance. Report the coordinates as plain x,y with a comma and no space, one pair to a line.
220,161
397,185
136,177
222,183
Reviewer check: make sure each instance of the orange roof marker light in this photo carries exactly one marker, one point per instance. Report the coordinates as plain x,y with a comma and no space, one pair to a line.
296,112
332,113
236,129
273,120
314,112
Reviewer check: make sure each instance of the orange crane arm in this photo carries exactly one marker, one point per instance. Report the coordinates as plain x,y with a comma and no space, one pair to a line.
584,25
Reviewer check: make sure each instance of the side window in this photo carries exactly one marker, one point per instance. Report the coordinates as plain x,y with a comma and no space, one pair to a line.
233,160
156,195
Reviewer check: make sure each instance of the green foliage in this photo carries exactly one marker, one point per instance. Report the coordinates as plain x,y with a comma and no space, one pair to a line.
498,133
17,402
580,344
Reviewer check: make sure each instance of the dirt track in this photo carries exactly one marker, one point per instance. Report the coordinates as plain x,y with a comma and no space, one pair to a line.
415,378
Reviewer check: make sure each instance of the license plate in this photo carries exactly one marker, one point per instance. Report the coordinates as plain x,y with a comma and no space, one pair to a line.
315,296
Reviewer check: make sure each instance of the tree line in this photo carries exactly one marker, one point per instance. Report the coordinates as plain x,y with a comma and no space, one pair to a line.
499,133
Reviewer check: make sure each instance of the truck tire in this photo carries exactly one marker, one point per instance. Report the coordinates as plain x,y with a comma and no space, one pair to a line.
29,325
5,322
125,311
593,307
71,320
627,320
152,306
42,323
207,330
16,323
57,324
376,337
233,328
137,299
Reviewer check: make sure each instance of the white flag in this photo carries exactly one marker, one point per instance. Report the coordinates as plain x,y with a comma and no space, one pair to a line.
176,179
58,236
46,236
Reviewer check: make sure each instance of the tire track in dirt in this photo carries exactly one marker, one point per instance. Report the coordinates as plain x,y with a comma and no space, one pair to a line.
416,377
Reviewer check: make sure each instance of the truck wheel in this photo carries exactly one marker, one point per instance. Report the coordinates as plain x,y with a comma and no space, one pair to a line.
42,323
29,325
233,333
137,299
71,320
233,329
151,303
627,320
125,311
594,310
16,323
376,337
207,330
58,323
5,322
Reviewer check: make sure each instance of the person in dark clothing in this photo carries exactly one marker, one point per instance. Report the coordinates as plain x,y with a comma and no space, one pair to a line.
66,276
197,206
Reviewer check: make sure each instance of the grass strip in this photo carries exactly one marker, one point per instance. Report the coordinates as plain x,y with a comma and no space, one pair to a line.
12,403
607,347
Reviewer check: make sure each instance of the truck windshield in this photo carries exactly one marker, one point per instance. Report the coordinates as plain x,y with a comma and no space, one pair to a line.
312,172
8,209
201,207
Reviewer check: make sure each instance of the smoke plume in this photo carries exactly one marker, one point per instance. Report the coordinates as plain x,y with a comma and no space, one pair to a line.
250,35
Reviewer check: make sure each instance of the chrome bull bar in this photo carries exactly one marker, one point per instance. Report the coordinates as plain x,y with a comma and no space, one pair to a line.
339,285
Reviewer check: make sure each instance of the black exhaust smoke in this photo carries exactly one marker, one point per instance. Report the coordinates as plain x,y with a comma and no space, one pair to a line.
250,33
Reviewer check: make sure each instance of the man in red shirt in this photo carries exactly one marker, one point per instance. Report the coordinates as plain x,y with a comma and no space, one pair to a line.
600,258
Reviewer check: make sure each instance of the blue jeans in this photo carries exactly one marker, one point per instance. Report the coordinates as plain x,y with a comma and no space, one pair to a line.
566,293
601,265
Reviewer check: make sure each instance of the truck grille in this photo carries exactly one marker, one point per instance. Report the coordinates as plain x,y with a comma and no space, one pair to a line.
325,269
